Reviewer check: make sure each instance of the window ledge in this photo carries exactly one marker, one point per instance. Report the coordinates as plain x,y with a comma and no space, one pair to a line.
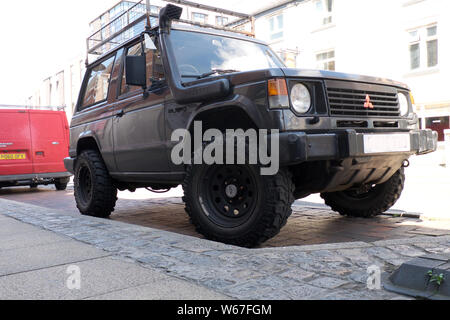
324,27
422,72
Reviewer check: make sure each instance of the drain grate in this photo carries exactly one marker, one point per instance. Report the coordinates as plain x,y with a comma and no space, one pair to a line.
426,277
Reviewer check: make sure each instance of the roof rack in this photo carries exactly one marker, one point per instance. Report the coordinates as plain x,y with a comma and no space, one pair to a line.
50,108
133,21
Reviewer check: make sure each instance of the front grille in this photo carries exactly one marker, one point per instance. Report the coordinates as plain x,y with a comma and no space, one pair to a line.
350,102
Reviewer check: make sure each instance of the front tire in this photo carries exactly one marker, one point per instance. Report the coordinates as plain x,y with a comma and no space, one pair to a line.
374,202
236,205
95,193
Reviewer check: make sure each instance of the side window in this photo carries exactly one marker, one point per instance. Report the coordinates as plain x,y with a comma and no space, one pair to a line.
98,83
154,68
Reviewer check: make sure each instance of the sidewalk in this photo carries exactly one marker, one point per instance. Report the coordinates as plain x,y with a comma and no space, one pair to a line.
327,271
34,264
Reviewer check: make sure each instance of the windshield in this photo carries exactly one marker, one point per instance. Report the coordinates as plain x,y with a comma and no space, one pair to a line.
201,55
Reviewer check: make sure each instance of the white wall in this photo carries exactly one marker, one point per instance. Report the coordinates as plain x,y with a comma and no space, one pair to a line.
370,37
64,94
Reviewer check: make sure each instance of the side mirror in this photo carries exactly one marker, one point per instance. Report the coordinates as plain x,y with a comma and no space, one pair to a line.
136,71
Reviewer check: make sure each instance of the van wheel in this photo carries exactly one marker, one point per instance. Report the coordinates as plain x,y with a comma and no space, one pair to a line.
95,193
60,185
236,205
373,202
33,186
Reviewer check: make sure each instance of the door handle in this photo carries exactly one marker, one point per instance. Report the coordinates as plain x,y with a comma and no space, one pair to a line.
120,114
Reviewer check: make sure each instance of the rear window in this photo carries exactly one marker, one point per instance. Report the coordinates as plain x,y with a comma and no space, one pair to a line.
14,126
98,83
47,126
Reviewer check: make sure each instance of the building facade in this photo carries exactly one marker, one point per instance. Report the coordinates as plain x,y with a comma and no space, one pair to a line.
61,89
405,40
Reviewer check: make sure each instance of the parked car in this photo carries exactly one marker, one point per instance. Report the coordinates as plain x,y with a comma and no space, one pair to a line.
33,145
347,137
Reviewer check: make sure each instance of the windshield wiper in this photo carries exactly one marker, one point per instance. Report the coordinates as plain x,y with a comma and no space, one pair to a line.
210,73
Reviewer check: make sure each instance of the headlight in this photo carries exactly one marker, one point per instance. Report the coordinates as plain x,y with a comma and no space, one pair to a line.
404,104
300,98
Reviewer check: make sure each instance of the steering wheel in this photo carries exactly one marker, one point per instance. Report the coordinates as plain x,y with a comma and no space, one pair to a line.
189,68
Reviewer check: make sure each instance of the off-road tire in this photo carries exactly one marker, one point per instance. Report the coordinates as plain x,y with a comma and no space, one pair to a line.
377,201
100,200
273,208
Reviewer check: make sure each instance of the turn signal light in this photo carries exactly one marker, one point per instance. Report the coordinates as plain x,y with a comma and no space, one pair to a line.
413,102
278,94
277,87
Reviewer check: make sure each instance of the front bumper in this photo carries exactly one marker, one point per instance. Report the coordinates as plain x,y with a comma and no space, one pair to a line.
299,147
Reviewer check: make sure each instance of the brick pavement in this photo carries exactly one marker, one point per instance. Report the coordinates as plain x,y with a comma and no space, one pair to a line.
308,225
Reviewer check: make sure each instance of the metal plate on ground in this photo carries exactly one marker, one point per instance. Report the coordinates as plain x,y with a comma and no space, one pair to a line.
426,277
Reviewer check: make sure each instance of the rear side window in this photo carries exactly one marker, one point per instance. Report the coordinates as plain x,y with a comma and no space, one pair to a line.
98,84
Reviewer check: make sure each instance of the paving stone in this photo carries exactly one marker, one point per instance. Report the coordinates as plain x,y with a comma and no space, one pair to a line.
406,250
305,292
45,256
356,256
297,274
325,255
29,239
382,253
328,283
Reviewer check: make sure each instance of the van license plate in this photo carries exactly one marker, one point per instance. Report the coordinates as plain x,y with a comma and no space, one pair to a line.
13,156
386,143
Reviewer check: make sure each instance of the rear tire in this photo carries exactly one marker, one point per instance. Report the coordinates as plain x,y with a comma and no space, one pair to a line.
376,201
236,205
95,193
60,186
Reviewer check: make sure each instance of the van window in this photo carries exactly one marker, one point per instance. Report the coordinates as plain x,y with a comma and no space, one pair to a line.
98,83
154,67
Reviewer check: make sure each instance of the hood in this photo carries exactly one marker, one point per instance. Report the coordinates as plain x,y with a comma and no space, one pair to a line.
329,75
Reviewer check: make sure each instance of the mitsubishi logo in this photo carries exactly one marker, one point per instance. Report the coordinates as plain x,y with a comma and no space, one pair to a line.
368,104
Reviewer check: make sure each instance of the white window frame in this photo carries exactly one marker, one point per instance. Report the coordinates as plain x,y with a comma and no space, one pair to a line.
422,40
325,17
277,33
321,63
205,20
221,18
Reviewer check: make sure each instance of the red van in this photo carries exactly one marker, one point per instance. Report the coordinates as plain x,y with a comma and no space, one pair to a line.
33,145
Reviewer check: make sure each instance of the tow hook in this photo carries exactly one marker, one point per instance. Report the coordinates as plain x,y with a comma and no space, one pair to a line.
405,164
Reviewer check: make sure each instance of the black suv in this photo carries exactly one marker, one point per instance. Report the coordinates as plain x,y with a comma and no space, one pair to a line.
344,136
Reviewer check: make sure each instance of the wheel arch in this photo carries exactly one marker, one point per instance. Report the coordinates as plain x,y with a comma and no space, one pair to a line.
87,143
224,117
